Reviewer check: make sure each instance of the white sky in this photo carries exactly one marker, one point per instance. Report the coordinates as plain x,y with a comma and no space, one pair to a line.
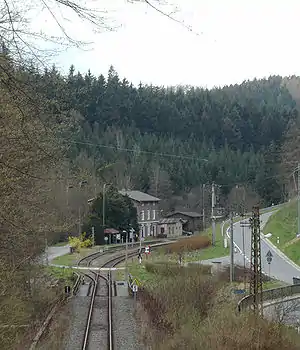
241,39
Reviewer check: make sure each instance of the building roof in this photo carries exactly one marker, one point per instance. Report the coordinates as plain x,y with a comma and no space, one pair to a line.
171,221
139,196
191,214
110,231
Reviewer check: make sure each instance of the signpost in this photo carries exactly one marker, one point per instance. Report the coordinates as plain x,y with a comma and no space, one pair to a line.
269,257
131,232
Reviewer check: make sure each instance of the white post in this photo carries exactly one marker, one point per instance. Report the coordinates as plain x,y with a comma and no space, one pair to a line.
231,249
213,214
126,257
225,242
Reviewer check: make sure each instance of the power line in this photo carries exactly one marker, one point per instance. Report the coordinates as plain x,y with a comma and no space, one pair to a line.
139,151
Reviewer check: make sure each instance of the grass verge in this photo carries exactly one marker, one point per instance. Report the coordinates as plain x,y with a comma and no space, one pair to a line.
72,259
283,226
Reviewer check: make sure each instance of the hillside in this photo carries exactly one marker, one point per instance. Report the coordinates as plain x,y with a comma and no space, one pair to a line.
238,129
283,224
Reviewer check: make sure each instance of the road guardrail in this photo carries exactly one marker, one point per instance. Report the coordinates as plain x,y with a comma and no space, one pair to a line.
270,294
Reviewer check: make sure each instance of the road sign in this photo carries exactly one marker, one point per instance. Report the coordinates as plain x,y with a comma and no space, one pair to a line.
147,249
245,224
136,282
269,254
106,238
269,259
134,288
239,291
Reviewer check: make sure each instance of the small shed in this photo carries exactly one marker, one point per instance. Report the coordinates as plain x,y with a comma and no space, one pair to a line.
172,227
111,234
193,220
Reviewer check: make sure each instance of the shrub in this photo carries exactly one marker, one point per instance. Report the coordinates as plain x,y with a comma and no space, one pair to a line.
189,310
80,242
188,244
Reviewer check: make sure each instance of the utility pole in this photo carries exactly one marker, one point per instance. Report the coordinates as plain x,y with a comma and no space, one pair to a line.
140,229
256,272
213,203
103,206
126,256
231,250
298,193
203,209
79,220
46,250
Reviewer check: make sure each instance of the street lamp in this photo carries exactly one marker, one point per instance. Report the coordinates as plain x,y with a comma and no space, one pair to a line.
126,240
103,202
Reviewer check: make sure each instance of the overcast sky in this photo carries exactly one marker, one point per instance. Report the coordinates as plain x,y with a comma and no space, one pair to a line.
237,40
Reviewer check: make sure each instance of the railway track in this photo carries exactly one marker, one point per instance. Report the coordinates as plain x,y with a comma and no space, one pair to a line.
100,335
101,288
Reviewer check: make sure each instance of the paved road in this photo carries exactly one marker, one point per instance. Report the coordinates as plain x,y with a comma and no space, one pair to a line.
54,252
280,268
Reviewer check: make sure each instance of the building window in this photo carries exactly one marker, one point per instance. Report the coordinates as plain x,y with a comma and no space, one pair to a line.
172,230
154,212
142,215
148,215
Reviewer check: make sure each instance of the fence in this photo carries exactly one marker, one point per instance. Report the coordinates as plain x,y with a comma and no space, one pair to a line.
270,294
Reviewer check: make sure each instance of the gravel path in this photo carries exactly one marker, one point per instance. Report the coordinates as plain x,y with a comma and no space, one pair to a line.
125,329
79,307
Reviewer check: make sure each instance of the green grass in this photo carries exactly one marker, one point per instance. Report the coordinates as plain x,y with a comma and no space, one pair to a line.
211,252
273,284
71,259
283,224
61,274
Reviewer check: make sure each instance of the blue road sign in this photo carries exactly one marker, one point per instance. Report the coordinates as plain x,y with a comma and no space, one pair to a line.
239,291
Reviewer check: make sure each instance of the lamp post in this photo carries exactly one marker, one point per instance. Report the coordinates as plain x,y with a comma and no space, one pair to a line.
81,184
126,255
103,204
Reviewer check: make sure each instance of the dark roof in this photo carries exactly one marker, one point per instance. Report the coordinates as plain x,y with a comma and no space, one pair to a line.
170,221
110,231
139,196
191,214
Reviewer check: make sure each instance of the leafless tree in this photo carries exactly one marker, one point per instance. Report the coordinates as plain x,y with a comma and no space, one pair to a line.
285,312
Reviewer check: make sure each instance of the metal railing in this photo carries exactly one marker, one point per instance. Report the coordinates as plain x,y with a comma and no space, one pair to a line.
270,294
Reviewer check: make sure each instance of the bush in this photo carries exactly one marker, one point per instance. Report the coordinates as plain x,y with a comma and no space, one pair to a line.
190,310
80,242
173,269
188,244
